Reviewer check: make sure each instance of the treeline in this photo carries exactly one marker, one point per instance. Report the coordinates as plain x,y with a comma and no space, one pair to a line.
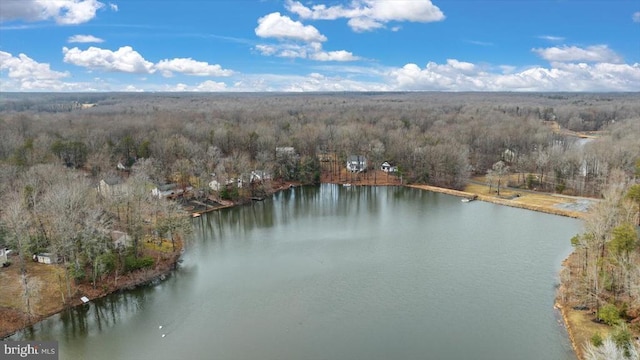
52,161
435,138
603,273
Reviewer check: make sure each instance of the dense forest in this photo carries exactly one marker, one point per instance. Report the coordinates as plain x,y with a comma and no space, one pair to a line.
57,152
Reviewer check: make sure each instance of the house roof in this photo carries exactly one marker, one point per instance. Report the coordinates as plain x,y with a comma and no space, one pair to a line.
285,148
113,180
167,187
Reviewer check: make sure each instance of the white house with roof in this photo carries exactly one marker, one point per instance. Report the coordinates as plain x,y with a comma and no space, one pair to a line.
388,168
164,190
356,163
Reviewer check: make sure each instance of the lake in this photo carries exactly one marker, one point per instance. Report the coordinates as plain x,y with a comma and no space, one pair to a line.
333,272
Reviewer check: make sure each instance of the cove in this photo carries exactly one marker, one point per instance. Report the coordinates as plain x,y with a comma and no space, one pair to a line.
332,272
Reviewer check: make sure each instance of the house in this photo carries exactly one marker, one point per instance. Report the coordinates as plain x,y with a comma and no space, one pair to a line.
4,256
509,155
112,186
165,190
214,185
258,176
121,239
356,163
44,258
285,151
388,168
120,166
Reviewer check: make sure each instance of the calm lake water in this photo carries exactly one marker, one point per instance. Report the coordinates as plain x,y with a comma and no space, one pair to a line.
342,273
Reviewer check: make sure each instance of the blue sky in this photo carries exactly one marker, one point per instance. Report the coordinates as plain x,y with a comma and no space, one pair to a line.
320,45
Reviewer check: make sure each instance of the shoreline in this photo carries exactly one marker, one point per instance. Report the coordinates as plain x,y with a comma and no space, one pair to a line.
577,350
127,282
159,273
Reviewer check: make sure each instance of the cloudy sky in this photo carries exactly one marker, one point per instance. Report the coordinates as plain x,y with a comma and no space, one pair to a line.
320,45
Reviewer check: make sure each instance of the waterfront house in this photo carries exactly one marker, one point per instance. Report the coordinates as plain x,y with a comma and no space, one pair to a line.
214,185
356,163
388,168
164,190
258,176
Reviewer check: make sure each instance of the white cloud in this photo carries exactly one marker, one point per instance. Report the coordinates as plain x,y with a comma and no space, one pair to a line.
312,51
595,53
125,59
267,50
366,15
26,74
361,24
189,66
340,55
132,88
480,43
278,26
211,86
462,76
315,82
284,50
21,73
113,7
64,12
551,38
24,67
84,39
636,17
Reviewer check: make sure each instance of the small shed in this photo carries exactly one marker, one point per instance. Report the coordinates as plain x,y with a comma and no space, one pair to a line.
44,258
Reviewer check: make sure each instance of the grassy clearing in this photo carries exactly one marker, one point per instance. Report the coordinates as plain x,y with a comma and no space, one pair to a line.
44,281
156,244
544,202
581,328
